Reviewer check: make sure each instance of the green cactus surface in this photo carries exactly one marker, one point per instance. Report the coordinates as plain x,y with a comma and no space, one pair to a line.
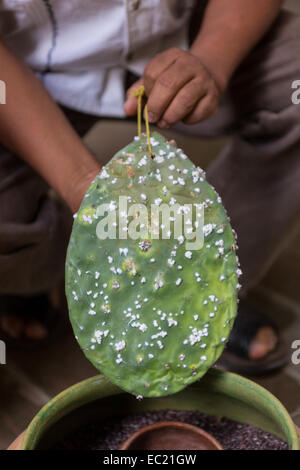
150,314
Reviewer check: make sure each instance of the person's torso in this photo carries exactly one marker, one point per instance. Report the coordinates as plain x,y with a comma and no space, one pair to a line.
71,42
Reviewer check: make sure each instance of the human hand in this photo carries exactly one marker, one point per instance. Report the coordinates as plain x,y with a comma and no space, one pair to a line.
179,88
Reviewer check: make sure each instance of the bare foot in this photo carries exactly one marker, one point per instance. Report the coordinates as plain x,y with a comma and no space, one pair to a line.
263,343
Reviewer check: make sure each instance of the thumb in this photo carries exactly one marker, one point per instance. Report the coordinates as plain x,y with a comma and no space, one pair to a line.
130,105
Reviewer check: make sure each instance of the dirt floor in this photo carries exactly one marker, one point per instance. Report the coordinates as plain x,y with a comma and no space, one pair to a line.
29,380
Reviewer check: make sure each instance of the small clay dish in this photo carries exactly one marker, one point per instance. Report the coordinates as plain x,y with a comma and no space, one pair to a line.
171,435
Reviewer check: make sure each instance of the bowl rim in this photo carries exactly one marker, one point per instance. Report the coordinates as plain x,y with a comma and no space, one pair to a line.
98,387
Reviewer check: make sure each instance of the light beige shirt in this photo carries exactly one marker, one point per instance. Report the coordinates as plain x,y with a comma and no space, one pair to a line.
82,48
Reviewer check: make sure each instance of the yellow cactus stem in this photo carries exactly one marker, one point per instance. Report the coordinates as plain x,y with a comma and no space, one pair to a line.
148,129
139,93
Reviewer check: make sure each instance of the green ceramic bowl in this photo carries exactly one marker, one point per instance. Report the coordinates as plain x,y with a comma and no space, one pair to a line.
219,393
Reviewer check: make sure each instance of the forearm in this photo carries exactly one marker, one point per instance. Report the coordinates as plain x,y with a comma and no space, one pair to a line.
230,29
33,126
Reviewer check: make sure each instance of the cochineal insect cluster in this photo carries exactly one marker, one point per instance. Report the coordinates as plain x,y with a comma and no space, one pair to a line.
151,314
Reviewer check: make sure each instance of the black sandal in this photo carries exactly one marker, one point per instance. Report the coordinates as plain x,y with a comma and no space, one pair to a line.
36,308
236,354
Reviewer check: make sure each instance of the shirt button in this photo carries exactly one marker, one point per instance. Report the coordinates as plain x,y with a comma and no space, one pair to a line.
133,5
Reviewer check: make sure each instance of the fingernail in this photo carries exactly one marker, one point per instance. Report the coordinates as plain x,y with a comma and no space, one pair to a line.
164,124
151,117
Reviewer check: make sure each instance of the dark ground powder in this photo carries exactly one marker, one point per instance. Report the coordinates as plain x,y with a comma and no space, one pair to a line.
111,433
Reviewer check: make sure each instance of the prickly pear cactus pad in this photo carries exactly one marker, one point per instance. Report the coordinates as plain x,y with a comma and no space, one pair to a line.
150,314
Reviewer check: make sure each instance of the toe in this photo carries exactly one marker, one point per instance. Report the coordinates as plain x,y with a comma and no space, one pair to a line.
35,330
12,325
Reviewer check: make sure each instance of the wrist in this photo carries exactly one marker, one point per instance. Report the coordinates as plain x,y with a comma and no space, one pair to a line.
211,58
79,183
